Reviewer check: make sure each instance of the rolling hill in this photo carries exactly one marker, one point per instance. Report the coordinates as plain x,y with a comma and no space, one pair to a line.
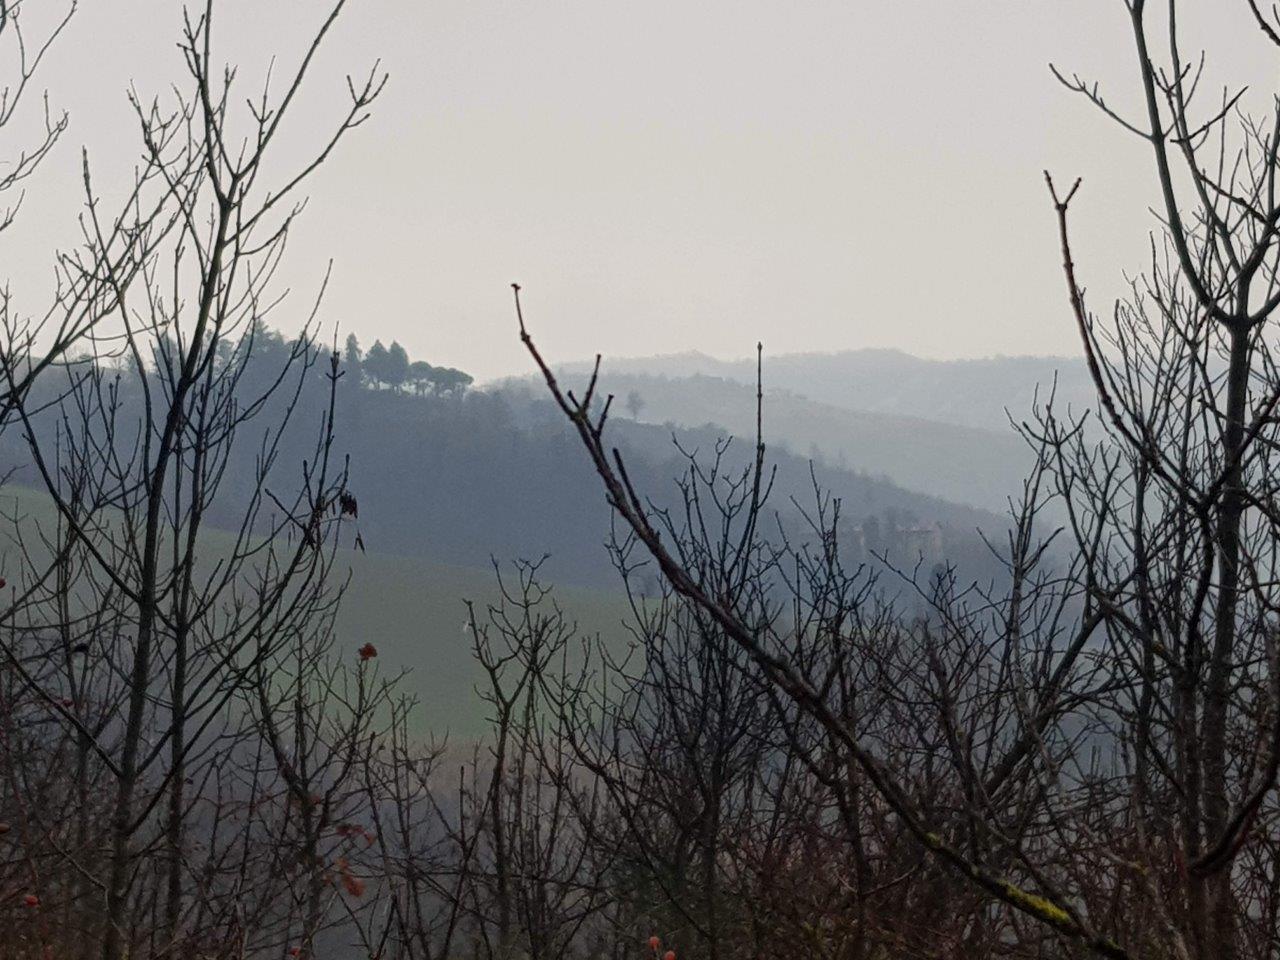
968,393
448,483
952,462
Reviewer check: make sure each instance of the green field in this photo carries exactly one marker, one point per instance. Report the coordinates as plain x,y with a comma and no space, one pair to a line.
411,609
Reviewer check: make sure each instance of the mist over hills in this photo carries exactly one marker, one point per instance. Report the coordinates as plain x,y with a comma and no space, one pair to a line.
449,481
970,393
500,474
945,460
462,476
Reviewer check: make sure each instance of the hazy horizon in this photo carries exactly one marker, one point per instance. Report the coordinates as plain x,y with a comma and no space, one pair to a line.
674,178
642,360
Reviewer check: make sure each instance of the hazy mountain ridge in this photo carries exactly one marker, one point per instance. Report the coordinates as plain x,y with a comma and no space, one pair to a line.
952,462
500,474
972,393
462,477
448,482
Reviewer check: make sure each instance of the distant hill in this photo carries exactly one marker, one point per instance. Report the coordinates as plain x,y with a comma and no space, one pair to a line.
501,474
971,393
946,460
447,481
460,477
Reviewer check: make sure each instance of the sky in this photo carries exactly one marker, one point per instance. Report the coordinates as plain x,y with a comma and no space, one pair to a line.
670,176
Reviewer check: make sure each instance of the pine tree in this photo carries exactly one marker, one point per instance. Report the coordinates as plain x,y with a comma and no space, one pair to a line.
376,364
354,360
420,376
397,366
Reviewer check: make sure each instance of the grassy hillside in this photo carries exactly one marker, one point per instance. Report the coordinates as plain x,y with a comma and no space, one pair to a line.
411,609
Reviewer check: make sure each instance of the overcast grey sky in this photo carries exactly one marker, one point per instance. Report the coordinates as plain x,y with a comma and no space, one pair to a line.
667,176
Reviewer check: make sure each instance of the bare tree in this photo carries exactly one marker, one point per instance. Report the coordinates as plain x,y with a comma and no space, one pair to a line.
24,55
68,317
1187,390
536,880
1127,694
778,653
134,458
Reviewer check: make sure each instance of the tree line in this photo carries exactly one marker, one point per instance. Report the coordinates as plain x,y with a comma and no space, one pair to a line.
390,367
